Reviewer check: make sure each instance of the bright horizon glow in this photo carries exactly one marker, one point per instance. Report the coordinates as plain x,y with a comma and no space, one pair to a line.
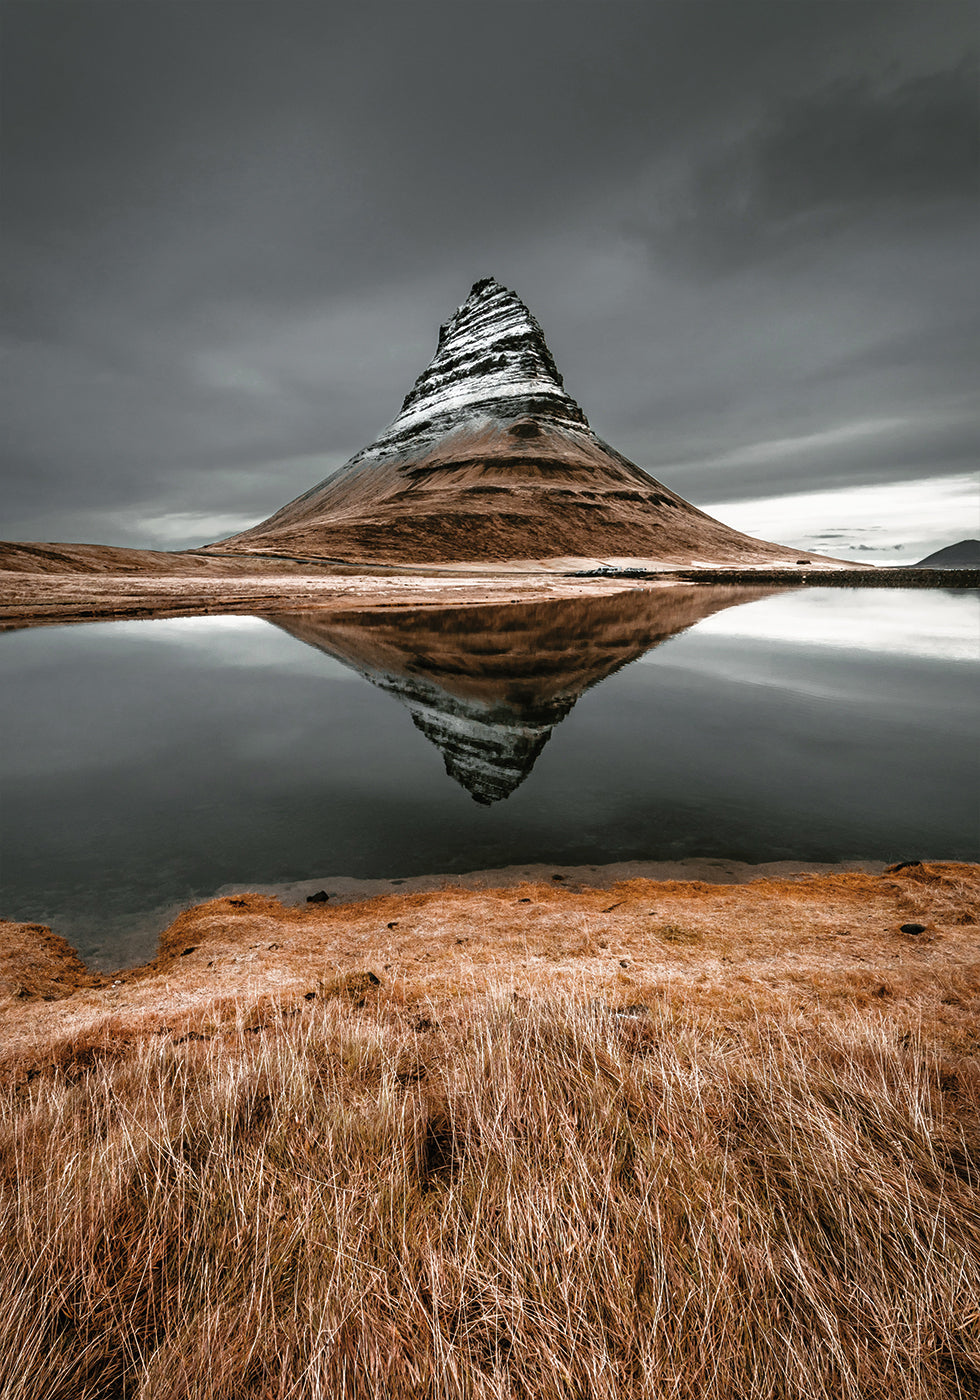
893,523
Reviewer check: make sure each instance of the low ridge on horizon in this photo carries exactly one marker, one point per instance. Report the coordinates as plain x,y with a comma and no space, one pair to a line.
965,554
490,460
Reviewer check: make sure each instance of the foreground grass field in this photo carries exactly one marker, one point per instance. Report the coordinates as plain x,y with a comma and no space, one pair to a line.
364,1193
544,1200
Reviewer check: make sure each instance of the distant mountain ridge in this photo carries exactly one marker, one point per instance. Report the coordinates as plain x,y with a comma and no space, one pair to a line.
491,460
963,555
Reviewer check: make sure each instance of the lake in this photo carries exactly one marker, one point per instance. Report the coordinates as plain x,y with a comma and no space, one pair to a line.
150,763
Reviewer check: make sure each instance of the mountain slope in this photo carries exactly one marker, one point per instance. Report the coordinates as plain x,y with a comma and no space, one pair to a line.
964,555
489,460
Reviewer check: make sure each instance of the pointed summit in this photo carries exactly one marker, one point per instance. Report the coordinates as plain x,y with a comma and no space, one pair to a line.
490,461
492,354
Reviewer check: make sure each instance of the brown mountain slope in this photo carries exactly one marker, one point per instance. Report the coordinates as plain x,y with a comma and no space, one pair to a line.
28,557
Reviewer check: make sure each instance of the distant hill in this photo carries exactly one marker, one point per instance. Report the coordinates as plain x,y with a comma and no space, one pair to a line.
490,460
965,555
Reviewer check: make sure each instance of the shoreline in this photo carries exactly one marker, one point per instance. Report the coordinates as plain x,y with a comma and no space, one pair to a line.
29,599
344,890
534,929
138,939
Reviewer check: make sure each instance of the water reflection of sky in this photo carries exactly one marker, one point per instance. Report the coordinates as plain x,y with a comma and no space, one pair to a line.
147,762
898,622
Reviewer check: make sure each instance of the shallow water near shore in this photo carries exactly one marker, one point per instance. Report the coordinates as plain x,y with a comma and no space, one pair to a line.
147,764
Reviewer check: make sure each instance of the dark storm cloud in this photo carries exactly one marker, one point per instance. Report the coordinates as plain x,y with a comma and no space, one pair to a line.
233,230
874,452
815,163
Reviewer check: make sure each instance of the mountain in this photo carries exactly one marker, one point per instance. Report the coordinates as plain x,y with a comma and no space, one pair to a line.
30,557
490,460
964,555
488,684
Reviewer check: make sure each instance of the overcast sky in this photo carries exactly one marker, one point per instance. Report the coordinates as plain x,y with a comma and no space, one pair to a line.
232,230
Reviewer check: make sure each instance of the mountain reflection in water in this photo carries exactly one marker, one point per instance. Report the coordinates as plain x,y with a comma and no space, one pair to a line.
487,684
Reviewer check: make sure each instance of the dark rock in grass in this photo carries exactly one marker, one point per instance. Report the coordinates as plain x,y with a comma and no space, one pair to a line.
320,897
913,928
423,1023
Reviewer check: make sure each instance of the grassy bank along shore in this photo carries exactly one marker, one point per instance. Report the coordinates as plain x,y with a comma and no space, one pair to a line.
664,1137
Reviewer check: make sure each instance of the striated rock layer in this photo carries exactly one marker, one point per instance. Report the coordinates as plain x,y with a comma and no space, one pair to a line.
490,460
488,685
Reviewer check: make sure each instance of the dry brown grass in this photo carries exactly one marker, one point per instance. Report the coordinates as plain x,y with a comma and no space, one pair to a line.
661,1139
538,1198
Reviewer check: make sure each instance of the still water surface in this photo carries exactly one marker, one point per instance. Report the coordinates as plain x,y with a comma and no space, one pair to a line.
147,763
